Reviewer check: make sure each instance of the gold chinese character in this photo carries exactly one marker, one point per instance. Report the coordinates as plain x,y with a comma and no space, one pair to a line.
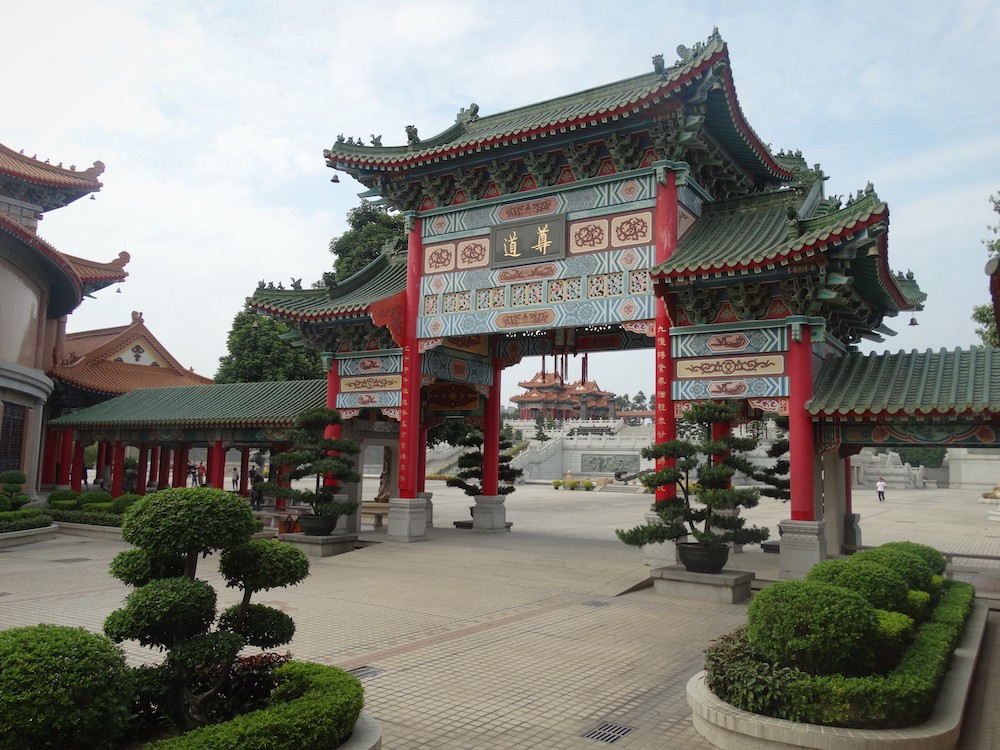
510,246
543,243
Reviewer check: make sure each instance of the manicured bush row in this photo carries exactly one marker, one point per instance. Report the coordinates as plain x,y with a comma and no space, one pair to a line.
22,520
314,707
94,518
61,497
903,697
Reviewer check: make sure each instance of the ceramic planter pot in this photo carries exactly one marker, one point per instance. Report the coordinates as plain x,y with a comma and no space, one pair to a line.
697,558
318,525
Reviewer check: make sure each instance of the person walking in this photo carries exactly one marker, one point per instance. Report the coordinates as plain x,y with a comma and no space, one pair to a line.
201,473
880,489
236,479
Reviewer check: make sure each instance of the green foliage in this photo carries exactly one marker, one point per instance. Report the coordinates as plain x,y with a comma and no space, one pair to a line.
11,482
696,510
983,315
63,688
63,504
934,559
918,604
908,565
931,458
62,496
98,507
450,432
311,456
372,230
314,707
258,625
137,567
470,477
263,564
557,483
816,627
189,521
540,435
588,485
22,520
880,586
257,353
123,502
892,636
85,516
163,613
572,484
85,498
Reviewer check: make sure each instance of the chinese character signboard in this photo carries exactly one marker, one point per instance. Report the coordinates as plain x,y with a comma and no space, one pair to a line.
528,242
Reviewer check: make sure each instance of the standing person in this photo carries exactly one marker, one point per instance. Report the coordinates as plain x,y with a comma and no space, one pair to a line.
201,474
236,479
880,489
84,478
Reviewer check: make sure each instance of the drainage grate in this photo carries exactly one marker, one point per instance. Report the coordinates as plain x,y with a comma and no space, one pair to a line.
363,673
71,559
607,733
595,603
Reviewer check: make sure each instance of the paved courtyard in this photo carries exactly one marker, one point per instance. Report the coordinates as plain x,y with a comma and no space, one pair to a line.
519,640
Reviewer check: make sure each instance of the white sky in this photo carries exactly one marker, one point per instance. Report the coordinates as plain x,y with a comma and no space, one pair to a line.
212,116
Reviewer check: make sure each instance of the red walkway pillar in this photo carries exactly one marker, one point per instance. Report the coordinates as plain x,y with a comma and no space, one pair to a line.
117,468
800,427
163,476
491,435
409,424
332,431
665,227
218,466
76,479
50,456
140,477
65,457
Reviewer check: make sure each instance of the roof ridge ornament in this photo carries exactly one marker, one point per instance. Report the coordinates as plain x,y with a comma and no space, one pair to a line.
412,138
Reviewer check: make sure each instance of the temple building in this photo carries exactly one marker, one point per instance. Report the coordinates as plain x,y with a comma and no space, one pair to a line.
549,396
39,287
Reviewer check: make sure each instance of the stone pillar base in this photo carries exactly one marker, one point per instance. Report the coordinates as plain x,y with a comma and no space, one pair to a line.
489,516
803,544
852,530
430,507
407,520
727,587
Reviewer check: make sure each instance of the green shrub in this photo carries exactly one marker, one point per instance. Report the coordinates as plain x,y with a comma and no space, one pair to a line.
61,496
63,504
86,498
892,637
124,502
98,507
137,567
909,566
918,605
19,501
93,518
934,559
5,504
571,484
10,489
63,688
22,520
315,704
557,483
880,586
817,627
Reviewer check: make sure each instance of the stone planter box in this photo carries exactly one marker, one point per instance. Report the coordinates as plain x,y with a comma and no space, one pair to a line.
367,735
321,546
27,536
91,531
728,727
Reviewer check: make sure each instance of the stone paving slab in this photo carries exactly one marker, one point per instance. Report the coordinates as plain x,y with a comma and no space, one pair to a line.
513,640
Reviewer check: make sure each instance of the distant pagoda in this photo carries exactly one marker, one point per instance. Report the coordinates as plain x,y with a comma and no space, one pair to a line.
548,395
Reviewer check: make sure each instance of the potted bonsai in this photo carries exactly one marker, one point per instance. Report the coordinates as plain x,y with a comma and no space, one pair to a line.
706,507
314,454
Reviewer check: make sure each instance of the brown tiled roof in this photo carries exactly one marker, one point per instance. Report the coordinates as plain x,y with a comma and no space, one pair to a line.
66,290
86,361
30,169
93,272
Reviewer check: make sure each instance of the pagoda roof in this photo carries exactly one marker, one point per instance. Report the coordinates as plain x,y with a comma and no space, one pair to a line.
382,278
751,234
89,361
96,275
956,382
273,404
592,107
50,186
66,291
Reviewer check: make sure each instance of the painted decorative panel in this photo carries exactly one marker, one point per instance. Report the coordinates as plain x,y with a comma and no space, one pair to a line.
749,341
473,253
633,229
379,364
361,383
589,235
438,258
943,434
698,390
727,367
366,400
444,366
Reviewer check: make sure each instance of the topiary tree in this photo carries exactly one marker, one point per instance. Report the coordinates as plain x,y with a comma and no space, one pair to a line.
62,687
11,496
312,454
170,609
471,465
706,498
880,586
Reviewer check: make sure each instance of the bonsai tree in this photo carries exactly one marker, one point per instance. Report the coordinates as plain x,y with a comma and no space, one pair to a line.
172,610
314,454
702,473
470,478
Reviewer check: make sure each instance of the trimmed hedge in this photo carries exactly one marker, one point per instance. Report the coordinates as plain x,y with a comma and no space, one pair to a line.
61,497
880,586
94,518
905,696
61,687
86,498
314,707
22,520
910,566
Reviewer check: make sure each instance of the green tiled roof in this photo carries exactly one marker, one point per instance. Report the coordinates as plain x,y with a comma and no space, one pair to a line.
909,383
269,404
380,279
601,104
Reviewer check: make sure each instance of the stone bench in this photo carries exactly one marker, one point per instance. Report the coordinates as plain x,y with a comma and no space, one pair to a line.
378,511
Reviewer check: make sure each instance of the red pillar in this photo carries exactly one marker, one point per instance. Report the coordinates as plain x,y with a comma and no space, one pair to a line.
76,479
422,473
409,424
332,431
491,435
102,461
117,468
848,501
217,477
180,466
140,477
65,457
800,426
49,457
154,466
244,468
665,227
163,477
